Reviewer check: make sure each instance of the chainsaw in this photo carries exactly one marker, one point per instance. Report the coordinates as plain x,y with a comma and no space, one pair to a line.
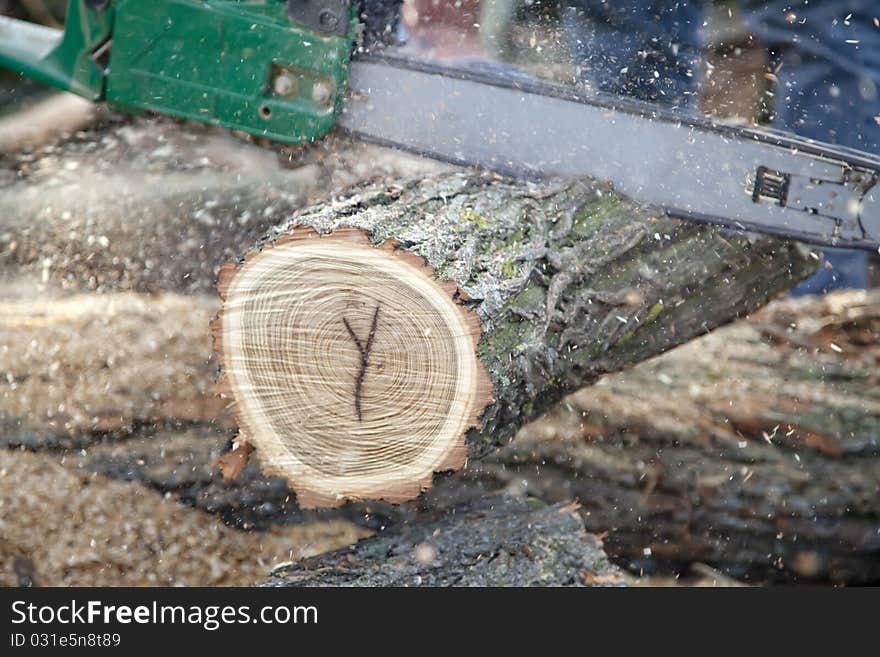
291,70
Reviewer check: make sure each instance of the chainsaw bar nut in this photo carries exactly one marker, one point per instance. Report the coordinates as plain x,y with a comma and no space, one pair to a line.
285,85
322,93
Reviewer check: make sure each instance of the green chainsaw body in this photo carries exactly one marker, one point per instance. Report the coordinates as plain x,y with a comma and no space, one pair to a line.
242,64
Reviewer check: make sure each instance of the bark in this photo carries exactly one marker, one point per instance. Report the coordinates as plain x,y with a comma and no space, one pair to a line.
488,541
754,449
569,280
181,462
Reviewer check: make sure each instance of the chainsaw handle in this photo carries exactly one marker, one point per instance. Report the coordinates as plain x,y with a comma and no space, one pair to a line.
27,48
60,58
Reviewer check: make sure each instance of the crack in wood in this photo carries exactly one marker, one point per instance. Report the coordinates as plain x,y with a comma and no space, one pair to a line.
365,358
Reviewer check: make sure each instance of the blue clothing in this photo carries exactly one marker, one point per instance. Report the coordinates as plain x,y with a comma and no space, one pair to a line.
827,56
826,59
841,32
646,49
827,62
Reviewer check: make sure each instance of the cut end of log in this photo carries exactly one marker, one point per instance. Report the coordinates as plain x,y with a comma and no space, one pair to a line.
353,370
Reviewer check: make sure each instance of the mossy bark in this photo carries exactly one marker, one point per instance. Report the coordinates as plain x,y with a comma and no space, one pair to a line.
570,279
489,541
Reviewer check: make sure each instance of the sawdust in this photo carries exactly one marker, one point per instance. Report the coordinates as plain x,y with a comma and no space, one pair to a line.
105,362
62,527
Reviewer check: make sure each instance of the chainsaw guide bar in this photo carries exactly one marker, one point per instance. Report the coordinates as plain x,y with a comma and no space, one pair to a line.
693,168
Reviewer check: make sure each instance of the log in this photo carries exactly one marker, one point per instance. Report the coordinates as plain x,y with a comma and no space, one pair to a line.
370,341
491,541
180,462
755,449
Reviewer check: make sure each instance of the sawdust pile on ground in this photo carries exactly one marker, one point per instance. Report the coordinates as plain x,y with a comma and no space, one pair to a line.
59,527
103,362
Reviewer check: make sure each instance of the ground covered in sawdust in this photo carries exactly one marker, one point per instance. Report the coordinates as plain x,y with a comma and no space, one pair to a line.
104,362
64,527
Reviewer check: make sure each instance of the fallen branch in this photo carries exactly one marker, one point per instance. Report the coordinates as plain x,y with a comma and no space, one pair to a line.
494,541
